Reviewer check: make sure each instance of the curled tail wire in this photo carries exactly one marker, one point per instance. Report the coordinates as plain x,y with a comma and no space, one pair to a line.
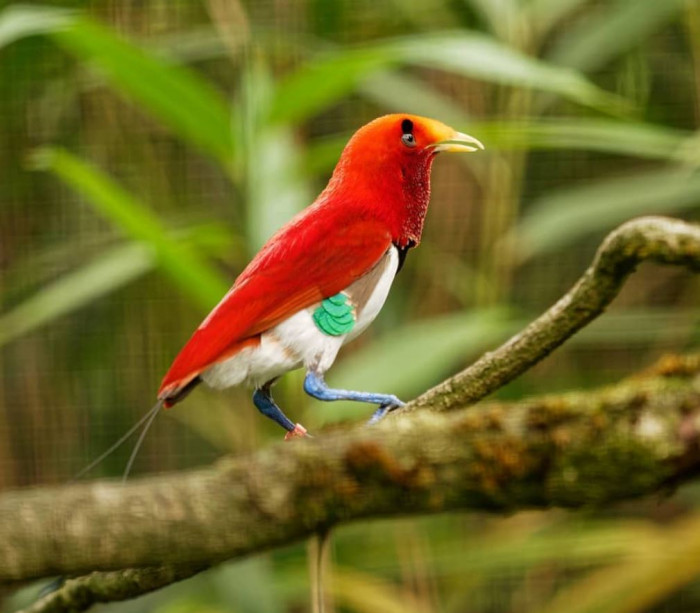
146,422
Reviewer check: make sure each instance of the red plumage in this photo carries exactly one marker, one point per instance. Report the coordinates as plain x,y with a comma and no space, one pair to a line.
378,195
312,257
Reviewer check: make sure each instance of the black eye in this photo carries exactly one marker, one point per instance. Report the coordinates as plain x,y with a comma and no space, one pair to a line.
407,138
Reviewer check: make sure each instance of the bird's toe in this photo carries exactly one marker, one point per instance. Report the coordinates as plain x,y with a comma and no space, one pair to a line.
297,432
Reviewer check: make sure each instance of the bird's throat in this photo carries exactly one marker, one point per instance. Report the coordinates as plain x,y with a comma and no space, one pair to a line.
415,200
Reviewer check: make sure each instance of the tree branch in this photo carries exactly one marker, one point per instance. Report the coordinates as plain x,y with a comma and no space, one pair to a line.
81,593
571,450
655,239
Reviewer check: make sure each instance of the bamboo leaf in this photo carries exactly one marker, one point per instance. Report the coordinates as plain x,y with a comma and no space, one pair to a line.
499,15
609,136
403,93
172,93
560,218
106,273
103,275
324,81
276,188
481,57
608,32
329,78
182,264
545,14
22,20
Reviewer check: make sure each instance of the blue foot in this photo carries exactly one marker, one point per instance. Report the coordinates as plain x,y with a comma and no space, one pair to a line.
315,386
266,405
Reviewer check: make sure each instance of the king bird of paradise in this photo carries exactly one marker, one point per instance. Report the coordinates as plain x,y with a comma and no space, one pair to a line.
322,278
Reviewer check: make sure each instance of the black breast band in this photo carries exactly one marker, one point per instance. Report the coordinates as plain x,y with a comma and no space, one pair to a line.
403,252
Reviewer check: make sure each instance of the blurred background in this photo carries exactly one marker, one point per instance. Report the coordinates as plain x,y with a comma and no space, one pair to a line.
148,148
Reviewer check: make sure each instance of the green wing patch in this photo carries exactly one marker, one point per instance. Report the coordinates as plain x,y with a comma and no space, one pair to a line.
334,316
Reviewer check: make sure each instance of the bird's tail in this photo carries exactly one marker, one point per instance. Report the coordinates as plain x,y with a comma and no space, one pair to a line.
146,422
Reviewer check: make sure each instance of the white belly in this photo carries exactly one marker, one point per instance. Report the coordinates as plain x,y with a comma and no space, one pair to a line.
297,341
369,311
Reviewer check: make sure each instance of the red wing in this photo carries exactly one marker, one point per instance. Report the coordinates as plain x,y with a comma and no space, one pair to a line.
308,260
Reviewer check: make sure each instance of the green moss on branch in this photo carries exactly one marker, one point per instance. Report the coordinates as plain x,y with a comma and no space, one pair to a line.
572,450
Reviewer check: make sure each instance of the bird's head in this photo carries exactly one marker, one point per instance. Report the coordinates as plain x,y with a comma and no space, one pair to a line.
387,166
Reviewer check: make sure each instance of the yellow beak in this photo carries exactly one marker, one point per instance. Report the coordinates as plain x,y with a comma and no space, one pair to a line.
459,142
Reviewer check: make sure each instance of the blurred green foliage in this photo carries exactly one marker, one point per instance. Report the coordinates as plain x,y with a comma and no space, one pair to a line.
148,149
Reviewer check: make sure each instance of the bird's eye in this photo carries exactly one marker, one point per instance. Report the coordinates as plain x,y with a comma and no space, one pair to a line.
407,137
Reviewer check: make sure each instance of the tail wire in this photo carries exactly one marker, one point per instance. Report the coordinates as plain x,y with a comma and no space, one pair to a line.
146,419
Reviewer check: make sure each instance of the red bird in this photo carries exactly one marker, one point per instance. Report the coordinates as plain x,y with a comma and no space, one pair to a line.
322,279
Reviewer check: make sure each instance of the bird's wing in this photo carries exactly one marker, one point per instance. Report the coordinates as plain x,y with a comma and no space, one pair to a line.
303,264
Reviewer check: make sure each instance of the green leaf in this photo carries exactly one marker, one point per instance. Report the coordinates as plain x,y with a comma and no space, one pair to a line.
481,57
173,94
543,15
329,78
20,21
559,218
614,28
180,262
103,275
325,81
501,16
276,187
403,93
609,136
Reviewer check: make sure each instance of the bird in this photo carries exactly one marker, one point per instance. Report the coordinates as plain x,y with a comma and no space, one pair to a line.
323,277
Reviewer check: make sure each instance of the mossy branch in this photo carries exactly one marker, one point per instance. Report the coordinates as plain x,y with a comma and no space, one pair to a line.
573,450
653,239
81,593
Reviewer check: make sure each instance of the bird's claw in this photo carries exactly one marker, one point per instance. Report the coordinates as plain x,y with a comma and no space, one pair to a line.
384,409
297,432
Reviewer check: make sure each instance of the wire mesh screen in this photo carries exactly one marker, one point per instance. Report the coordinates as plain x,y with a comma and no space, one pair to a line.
148,149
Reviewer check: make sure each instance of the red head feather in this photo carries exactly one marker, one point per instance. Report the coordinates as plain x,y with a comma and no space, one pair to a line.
386,176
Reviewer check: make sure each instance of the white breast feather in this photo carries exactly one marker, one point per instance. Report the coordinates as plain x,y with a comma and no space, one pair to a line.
297,341
378,297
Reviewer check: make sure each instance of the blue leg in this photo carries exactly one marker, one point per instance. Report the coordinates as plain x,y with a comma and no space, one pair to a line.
315,386
266,405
